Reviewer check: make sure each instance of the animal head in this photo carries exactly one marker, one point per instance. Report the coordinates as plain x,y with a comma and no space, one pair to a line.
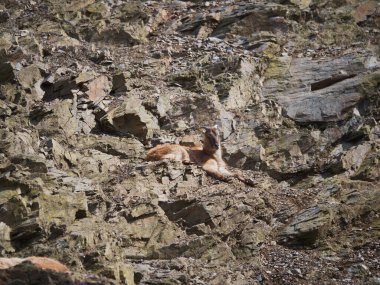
211,138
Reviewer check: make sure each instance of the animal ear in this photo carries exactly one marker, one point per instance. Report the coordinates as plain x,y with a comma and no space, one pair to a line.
216,127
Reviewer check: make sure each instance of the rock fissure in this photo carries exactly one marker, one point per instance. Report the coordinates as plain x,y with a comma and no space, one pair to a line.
329,81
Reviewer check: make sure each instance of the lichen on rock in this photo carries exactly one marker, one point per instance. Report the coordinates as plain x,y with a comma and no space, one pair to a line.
88,87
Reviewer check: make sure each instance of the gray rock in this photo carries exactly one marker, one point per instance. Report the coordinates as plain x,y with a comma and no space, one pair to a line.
206,247
121,147
6,73
5,111
359,269
346,157
120,83
246,156
310,226
53,209
202,25
369,169
13,207
318,90
26,230
61,89
244,89
352,159
35,164
130,118
15,142
30,45
129,34
5,42
58,118
4,16
251,238
236,81
97,89
5,239
187,213
31,79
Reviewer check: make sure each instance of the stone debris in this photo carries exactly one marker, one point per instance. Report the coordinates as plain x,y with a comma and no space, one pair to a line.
87,87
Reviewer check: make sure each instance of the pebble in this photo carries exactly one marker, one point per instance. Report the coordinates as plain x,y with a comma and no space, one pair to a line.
214,40
297,271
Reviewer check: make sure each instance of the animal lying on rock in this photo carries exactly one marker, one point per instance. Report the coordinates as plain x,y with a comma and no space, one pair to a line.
208,156
41,262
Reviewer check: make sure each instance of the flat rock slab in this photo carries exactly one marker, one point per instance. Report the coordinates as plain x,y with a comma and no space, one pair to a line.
318,90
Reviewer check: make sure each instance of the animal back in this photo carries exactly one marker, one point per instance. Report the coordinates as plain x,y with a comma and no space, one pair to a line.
41,262
47,263
166,151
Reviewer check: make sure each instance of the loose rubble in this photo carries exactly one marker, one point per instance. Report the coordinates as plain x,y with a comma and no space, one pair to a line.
87,87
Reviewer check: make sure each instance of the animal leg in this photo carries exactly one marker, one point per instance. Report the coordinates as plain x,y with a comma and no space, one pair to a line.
186,157
211,167
247,181
237,175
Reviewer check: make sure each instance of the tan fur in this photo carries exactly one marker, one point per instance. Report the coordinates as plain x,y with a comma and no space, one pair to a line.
41,262
208,156
9,262
168,151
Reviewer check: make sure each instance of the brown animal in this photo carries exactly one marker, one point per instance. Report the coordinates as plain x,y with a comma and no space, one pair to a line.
208,156
41,262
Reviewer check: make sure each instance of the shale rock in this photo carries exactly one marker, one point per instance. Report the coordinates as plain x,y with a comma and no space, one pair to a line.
31,45
31,79
130,118
369,169
310,96
121,147
5,111
97,89
236,92
7,73
350,201
120,83
14,142
59,118
5,42
61,89
87,87
5,238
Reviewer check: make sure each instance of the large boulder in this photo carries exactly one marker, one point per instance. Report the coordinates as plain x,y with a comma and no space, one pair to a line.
30,45
233,79
95,88
120,147
31,78
369,169
61,209
237,91
5,239
7,73
130,118
58,117
14,142
319,90
341,203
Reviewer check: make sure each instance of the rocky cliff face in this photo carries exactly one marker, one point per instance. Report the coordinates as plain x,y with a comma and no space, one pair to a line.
86,87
